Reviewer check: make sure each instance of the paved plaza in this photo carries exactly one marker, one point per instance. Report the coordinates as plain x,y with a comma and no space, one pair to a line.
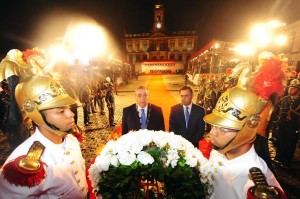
98,132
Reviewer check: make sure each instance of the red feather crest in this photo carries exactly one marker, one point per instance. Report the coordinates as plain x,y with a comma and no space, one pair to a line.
228,71
293,74
29,52
269,79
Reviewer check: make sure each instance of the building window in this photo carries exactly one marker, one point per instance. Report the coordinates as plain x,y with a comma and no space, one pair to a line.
189,45
154,46
154,57
162,46
172,56
180,45
137,47
129,47
145,47
158,18
162,57
144,57
172,45
130,57
138,58
179,57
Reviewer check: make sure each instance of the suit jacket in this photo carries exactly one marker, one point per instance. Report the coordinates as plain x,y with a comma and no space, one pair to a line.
131,119
196,126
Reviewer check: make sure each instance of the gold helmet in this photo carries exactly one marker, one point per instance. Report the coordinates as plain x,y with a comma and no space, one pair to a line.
39,93
239,107
295,83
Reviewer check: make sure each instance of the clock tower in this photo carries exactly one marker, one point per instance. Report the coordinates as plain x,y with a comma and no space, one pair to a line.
159,18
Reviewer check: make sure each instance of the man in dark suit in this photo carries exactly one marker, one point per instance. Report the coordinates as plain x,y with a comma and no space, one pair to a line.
142,115
186,118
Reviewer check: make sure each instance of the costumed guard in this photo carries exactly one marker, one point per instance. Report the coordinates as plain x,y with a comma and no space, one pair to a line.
110,101
84,94
49,163
210,98
101,90
287,125
4,104
234,123
201,90
228,82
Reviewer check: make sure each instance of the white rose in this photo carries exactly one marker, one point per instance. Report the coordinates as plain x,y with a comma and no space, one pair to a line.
104,162
146,138
126,158
161,138
114,161
145,158
136,148
94,175
172,158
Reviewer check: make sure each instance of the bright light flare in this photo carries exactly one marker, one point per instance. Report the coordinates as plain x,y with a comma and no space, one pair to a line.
260,35
217,45
245,49
86,40
280,40
275,24
57,53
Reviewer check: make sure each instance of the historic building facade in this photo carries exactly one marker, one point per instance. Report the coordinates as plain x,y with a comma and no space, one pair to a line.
160,51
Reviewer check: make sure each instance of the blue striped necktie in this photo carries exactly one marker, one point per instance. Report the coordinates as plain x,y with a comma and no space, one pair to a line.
187,116
143,119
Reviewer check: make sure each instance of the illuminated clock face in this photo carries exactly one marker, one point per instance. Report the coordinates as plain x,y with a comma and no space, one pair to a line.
158,25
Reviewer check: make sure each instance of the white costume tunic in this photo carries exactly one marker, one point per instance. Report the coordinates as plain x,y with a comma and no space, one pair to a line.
64,167
231,180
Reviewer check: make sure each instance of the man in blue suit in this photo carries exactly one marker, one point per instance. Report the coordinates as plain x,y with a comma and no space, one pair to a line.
186,118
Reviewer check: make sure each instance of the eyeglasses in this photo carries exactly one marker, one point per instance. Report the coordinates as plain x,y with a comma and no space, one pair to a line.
225,130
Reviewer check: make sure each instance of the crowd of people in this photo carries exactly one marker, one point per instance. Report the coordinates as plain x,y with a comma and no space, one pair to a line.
237,109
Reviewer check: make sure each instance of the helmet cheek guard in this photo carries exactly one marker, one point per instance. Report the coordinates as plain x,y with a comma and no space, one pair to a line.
39,93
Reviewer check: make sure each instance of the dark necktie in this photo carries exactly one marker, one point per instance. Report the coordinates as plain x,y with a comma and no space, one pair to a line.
143,119
187,116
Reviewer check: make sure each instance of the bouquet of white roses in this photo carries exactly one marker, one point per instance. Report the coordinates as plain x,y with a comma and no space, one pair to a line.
153,156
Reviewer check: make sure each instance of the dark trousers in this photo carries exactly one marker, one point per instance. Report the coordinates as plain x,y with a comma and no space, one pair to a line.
288,138
261,147
85,114
101,104
111,113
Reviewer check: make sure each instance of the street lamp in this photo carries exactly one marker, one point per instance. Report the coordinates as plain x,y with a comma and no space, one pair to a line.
268,36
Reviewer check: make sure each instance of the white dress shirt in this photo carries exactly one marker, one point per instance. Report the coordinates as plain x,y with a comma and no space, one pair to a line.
231,179
64,167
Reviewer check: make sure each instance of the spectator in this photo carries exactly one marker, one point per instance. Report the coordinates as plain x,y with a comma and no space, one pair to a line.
142,114
288,124
186,118
110,101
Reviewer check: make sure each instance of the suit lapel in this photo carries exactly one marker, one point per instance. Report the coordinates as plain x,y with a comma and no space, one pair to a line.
136,116
182,115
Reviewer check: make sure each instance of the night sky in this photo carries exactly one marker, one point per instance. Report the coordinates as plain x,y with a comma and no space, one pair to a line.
30,23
